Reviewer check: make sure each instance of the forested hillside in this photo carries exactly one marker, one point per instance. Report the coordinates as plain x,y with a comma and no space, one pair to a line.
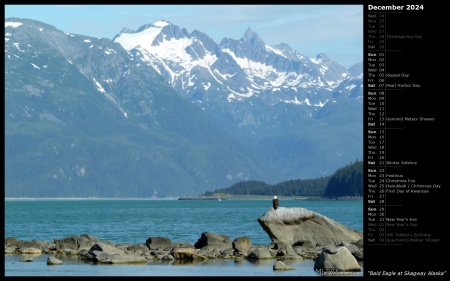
346,181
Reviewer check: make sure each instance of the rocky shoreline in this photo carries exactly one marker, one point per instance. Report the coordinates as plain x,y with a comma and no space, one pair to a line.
296,233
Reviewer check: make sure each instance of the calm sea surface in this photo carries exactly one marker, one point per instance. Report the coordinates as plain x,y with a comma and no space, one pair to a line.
134,221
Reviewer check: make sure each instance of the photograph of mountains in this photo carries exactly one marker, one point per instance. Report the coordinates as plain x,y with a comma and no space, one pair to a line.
163,112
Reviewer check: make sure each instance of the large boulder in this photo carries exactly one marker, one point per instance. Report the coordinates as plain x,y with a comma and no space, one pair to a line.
78,243
12,242
155,243
260,253
214,241
298,226
33,247
335,259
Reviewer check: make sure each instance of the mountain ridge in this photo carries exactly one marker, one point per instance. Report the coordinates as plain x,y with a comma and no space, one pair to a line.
110,122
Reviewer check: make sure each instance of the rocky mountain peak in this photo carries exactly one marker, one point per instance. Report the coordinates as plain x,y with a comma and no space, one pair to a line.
253,38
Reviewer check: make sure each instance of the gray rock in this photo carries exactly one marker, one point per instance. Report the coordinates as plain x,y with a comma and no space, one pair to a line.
30,247
53,261
78,243
214,241
108,253
167,258
290,225
358,254
355,250
29,250
10,250
136,249
242,242
11,242
71,252
240,252
207,253
260,253
335,259
360,243
184,245
26,259
187,254
279,265
287,252
155,243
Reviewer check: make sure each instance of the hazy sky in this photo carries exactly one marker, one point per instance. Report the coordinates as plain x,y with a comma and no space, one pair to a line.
336,30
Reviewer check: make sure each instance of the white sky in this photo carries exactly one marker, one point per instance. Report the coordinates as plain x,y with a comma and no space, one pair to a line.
336,30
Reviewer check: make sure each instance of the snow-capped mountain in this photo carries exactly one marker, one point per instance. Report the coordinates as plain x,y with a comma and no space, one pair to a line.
201,69
259,92
167,110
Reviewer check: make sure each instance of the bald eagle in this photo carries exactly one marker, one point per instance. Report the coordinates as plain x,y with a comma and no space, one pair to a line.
275,202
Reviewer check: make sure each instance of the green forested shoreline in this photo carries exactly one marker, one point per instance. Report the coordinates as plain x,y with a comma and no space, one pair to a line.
345,182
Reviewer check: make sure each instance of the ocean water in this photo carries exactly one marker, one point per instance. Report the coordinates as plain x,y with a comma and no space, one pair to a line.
134,221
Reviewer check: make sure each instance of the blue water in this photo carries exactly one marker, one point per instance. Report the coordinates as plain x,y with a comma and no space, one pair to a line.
134,221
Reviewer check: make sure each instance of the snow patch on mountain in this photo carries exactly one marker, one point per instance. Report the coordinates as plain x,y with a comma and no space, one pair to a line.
12,24
276,51
143,39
